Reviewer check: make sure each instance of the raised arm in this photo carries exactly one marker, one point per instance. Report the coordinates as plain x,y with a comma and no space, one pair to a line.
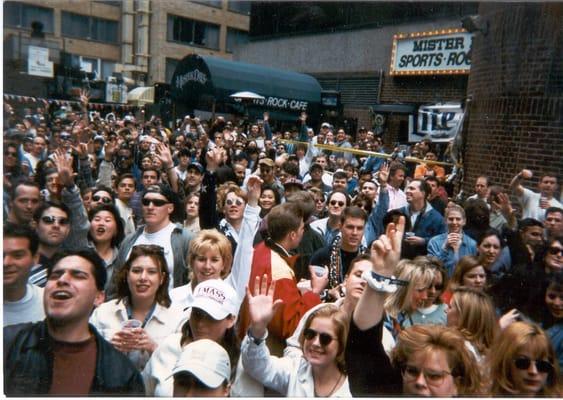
163,153
386,252
515,184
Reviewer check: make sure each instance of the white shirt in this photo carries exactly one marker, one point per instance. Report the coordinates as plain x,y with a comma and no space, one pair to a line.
160,238
28,309
397,198
126,214
108,318
530,202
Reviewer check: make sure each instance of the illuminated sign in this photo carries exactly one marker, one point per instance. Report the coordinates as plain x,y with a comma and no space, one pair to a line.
445,51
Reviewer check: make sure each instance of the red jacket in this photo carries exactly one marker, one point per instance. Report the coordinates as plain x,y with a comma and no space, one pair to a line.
278,268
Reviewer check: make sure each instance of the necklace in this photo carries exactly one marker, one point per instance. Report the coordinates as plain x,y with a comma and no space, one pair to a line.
333,388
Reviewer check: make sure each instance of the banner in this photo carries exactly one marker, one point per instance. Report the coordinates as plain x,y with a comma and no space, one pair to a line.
438,122
38,63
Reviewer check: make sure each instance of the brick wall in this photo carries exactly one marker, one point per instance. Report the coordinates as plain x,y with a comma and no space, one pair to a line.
516,112
423,89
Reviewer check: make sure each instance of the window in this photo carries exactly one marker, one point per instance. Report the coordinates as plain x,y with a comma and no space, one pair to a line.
210,3
192,32
101,69
19,15
235,37
241,7
171,65
91,28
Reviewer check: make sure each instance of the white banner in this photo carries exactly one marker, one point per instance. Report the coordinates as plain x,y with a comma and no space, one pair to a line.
38,63
438,122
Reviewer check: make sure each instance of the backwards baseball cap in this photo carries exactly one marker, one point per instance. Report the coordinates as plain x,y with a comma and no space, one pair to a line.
207,360
325,125
293,182
216,297
196,165
163,189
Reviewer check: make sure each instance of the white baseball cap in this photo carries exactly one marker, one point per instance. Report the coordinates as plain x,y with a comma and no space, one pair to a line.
216,297
207,360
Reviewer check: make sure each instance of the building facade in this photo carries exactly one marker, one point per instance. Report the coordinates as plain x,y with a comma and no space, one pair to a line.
88,40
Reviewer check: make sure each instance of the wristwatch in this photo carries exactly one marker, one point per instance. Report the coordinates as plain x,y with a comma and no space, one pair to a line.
257,341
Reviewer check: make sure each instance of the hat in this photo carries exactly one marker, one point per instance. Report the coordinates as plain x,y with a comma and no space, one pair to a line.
99,138
325,125
216,297
207,360
266,161
197,166
163,189
293,181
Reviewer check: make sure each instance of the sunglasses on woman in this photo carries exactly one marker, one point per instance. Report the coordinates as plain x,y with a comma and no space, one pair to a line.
324,338
238,202
105,200
338,203
50,220
555,250
433,378
543,367
155,202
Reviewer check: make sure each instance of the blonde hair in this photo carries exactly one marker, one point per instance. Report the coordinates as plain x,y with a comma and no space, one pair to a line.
210,240
518,336
418,275
477,319
455,207
341,324
431,338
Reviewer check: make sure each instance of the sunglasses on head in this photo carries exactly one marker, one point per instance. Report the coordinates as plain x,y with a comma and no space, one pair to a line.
105,200
555,250
230,202
156,202
542,366
324,338
50,220
338,203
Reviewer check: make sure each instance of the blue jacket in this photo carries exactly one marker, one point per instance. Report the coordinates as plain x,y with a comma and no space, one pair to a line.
446,255
428,224
374,225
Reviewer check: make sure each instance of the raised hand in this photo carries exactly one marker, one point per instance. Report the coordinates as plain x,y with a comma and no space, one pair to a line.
63,163
383,174
318,283
164,155
386,251
503,204
84,98
266,116
110,147
261,305
213,158
254,185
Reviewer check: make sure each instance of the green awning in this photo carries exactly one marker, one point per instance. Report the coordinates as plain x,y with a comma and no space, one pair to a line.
200,81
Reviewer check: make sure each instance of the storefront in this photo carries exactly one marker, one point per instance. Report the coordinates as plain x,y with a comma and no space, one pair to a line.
208,83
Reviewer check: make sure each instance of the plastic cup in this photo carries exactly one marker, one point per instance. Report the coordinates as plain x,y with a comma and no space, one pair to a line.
318,270
131,324
409,234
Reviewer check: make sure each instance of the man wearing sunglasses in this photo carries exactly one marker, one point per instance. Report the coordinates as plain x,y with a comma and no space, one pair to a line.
329,227
158,203
52,225
101,195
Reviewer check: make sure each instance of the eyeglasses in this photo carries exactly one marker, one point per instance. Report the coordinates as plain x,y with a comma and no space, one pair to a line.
433,378
338,203
10,153
65,137
50,220
156,202
319,200
150,248
543,367
230,202
105,200
324,338
555,250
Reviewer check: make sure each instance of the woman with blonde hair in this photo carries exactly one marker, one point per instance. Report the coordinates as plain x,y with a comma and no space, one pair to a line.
523,363
407,299
472,313
319,372
438,354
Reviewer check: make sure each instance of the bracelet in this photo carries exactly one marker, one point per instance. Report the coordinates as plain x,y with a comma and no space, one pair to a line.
169,168
256,341
393,280
385,285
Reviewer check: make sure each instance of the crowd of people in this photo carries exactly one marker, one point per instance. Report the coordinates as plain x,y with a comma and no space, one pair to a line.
223,259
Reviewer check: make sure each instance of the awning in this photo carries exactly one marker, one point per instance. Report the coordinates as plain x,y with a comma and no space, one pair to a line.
200,81
141,96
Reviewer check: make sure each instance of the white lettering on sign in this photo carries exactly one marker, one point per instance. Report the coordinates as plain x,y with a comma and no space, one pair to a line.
193,76
438,122
430,53
285,104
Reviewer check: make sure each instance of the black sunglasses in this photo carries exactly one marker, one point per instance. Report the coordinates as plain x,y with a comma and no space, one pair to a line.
156,202
339,203
555,250
324,338
542,366
105,200
50,220
65,137
238,202
10,153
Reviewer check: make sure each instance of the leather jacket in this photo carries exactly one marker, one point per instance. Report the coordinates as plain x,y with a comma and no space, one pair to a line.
28,363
